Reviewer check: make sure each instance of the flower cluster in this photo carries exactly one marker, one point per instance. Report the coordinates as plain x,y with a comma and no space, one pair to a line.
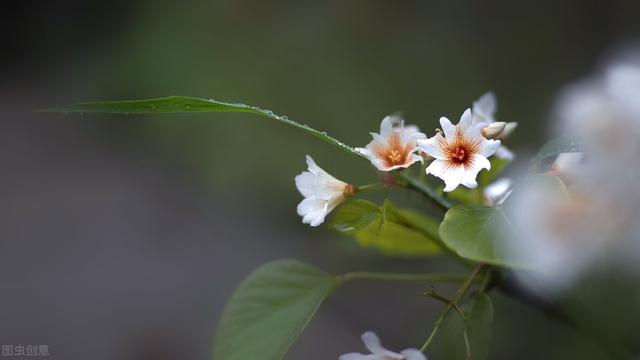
457,153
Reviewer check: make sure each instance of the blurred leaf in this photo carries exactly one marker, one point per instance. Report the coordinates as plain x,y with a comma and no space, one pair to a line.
565,144
390,230
184,104
478,320
269,310
465,196
478,233
497,167
543,184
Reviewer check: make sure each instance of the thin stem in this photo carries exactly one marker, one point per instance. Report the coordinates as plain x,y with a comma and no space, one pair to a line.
362,275
432,294
465,333
487,280
372,186
454,302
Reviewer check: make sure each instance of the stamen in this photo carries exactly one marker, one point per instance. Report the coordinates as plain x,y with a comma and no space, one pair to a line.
459,154
395,156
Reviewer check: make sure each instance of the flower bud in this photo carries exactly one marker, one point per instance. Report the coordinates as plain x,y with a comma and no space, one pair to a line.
493,130
508,129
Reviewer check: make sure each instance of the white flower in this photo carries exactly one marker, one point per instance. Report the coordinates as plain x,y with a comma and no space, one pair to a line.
484,110
322,193
372,343
497,192
395,147
604,111
566,165
589,218
460,154
562,230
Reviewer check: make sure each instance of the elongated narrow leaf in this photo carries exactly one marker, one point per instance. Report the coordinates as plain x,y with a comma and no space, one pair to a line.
185,104
566,144
269,310
392,231
478,312
478,233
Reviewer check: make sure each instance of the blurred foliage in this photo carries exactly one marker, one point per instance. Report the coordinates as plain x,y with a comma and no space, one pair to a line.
338,66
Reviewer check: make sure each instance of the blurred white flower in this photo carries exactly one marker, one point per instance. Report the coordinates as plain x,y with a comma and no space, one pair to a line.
322,193
483,111
497,192
460,154
604,111
566,165
549,221
395,146
372,343
590,213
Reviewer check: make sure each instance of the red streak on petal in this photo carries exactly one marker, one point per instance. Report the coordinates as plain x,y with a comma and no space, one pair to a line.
459,151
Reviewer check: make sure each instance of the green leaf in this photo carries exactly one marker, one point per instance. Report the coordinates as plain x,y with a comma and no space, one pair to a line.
487,234
565,144
269,310
185,104
478,233
393,231
478,320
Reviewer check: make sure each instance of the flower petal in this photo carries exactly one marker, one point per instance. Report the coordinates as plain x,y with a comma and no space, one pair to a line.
488,147
432,146
485,107
447,127
378,140
372,342
504,153
356,356
313,167
497,191
312,210
413,354
305,182
465,120
451,175
386,126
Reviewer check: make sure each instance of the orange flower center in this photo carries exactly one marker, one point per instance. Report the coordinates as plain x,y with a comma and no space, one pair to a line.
394,156
395,153
459,154
459,151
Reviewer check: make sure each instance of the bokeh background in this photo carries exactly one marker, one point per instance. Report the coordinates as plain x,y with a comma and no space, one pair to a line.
123,235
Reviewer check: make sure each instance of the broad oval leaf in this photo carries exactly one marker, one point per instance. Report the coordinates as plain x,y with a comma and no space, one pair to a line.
488,234
186,104
478,312
269,310
392,231
478,233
